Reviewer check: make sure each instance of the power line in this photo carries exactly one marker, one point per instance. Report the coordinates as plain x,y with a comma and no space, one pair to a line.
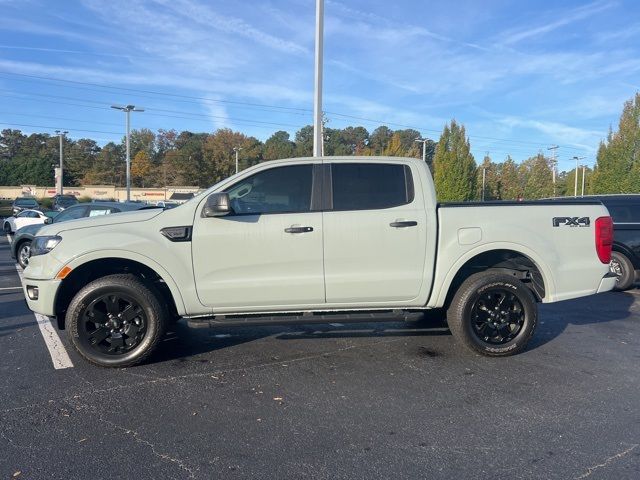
164,94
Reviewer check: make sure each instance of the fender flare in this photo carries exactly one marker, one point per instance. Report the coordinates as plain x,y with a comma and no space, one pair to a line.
136,257
546,273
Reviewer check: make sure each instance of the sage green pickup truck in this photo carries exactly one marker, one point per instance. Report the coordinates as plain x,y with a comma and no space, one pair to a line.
304,240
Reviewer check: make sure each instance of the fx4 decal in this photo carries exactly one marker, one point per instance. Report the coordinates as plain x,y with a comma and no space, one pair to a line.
571,221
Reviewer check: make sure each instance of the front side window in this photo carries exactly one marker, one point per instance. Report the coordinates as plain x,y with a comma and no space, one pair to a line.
277,190
370,186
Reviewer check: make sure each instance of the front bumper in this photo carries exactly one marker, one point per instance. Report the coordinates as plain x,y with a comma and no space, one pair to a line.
607,283
46,295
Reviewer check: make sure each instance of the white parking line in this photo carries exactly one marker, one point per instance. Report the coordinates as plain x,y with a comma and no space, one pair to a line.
59,355
11,288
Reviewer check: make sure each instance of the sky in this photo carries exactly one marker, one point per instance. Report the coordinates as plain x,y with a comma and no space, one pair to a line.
521,76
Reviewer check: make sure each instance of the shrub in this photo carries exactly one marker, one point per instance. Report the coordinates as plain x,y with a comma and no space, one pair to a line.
45,202
84,199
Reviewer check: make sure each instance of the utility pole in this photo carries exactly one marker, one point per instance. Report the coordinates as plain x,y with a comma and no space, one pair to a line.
575,192
553,166
584,172
60,178
237,149
424,147
484,172
128,109
317,102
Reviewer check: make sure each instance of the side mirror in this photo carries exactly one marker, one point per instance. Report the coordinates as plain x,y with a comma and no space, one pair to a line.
48,221
217,205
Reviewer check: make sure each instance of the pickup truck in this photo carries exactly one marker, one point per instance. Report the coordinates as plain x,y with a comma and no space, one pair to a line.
301,240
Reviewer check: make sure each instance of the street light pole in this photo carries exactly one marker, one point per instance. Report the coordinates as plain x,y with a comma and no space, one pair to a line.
424,147
317,102
128,109
60,179
584,172
237,149
484,172
553,169
575,191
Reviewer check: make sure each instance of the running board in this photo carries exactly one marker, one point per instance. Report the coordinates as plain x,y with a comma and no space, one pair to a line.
305,318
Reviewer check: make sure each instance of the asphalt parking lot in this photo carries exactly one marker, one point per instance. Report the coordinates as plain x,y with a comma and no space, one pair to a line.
385,400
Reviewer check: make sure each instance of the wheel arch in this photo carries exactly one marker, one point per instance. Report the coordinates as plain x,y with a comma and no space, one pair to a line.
627,252
85,270
520,262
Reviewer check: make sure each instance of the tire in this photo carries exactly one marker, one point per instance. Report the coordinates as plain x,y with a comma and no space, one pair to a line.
477,320
622,267
116,321
22,253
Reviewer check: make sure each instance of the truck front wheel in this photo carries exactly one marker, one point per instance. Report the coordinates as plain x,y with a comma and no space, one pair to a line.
116,321
493,314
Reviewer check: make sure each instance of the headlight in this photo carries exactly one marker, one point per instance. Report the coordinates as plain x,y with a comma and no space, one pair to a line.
42,245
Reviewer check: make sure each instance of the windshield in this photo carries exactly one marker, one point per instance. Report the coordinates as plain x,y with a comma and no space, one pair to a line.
25,202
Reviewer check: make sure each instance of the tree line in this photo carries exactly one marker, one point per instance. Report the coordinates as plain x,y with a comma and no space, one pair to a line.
169,157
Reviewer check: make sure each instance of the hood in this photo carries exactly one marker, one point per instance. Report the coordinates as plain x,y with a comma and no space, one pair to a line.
100,221
30,229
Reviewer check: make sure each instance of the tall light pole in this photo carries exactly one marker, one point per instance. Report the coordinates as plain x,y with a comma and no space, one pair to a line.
424,147
317,101
128,109
553,167
237,149
484,174
60,178
584,172
575,192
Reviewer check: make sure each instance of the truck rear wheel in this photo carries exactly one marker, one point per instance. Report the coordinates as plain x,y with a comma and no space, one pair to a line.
116,321
623,269
493,314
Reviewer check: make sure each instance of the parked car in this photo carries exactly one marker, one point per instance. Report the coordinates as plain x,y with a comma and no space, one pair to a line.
60,202
24,218
21,244
24,203
625,258
311,238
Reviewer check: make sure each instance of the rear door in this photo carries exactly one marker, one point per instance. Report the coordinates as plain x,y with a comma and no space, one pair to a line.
374,234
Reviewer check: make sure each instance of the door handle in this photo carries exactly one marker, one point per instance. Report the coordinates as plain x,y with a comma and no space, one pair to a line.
403,223
296,229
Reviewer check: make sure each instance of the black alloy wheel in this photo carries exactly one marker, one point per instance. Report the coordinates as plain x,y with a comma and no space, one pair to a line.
493,313
116,321
113,324
497,316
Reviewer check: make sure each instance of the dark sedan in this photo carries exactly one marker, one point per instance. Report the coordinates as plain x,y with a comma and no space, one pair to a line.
21,245
24,203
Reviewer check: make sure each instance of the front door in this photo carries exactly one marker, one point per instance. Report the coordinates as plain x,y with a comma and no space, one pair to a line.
268,251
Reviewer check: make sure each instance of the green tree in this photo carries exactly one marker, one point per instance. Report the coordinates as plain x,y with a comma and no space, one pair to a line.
455,168
539,179
492,180
510,184
278,146
304,141
379,140
616,170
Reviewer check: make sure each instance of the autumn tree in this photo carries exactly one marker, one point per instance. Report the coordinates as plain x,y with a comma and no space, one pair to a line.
455,168
140,168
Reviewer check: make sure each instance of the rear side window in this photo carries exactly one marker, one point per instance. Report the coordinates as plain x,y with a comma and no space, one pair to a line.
370,186
70,214
277,190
